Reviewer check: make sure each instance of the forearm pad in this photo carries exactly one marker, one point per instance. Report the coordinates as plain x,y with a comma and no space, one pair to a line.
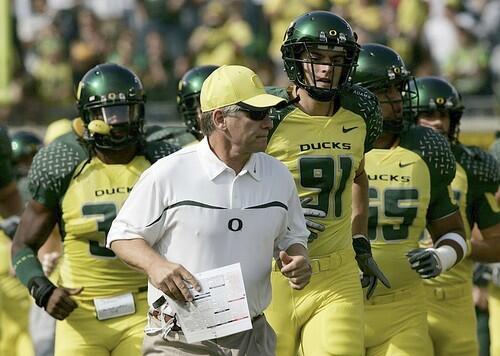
30,272
41,289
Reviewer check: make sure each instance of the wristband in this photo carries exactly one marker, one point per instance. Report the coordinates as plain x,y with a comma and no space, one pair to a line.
41,289
454,241
26,265
447,256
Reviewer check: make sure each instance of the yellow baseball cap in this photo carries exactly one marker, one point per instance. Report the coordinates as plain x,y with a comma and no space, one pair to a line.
233,84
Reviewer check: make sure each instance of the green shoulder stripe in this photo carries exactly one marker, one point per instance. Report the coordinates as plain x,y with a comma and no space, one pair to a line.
364,103
434,149
481,167
277,116
51,172
6,169
158,149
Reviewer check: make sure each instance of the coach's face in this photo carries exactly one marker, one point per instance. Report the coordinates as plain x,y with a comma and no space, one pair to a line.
249,130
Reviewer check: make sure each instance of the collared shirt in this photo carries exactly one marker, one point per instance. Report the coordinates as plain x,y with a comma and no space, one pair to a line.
194,210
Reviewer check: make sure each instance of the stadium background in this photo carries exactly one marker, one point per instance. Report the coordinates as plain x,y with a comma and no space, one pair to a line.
46,46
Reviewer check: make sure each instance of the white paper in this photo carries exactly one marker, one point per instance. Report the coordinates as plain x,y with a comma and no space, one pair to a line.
219,309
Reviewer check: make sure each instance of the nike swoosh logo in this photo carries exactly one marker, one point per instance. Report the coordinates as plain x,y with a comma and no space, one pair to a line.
344,130
402,165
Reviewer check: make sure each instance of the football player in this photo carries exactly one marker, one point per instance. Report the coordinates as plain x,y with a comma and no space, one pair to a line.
449,296
14,303
409,173
188,106
100,302
322,137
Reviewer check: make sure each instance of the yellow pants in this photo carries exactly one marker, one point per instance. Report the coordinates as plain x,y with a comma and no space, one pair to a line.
15,304
494,308
326,317
396,324
81,334
452,320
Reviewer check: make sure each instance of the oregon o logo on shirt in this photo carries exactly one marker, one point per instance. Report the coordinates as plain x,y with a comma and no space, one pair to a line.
235,224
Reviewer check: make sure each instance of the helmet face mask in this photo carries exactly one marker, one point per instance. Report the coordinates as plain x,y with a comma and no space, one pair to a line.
111,103
320,42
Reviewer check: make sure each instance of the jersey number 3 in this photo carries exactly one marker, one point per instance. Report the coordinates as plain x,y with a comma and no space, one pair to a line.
107,213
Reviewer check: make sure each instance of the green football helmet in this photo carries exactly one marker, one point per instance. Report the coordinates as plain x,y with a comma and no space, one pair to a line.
25,144
111,100
380,67
321,30
188,96
437,94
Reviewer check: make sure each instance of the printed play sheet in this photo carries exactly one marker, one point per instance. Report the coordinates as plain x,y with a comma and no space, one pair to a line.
219,309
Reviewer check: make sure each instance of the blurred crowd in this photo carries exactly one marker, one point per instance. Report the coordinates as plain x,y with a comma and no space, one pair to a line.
56,41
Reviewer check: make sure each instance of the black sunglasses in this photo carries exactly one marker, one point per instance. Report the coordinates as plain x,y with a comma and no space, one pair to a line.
255,115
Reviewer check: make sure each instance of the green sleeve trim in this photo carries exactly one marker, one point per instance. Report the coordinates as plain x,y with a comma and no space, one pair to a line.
51,172
483,171
485,211
27,265
435,150
365,104
277,116
158,149
440,204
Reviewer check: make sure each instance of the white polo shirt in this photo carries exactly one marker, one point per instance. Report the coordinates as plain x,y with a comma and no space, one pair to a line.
194,210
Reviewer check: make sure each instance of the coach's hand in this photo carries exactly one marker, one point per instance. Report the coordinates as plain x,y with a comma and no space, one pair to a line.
174,280
367,265
425,261
296,268
313,227
60,303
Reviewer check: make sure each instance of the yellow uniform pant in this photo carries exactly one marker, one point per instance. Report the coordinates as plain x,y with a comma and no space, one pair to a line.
326,317
81,334
15,304
396,324
452,320
494,308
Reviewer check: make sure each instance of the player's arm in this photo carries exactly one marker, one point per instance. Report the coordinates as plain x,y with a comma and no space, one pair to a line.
360,243
486,215
360,201
450,247
487,249
37,222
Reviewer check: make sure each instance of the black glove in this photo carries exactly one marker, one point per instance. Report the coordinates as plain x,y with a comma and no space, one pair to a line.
9,225
312,226
425,261
481,275
41,289
367,265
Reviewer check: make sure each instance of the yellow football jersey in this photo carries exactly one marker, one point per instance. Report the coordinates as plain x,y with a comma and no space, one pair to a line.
98,192
409,186
87,195
323,154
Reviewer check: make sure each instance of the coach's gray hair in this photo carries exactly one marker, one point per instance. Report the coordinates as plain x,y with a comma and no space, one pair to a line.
207,125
